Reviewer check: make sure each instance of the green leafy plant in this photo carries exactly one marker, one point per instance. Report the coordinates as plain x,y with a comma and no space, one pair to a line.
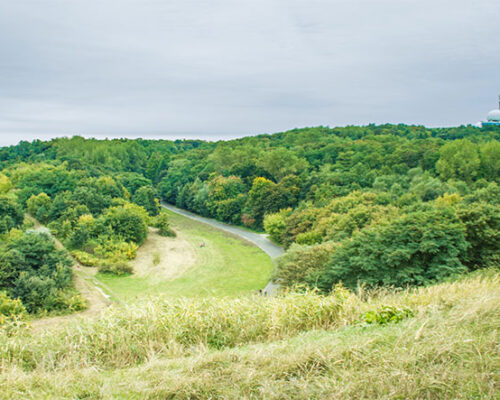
114,249
385,315
156,258
115,266
85,258
163,225
12,314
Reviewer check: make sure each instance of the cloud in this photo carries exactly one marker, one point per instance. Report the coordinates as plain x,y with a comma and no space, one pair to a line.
221,68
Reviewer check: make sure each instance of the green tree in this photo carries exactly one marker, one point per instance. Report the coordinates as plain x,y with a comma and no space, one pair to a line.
180,173
225,197
11,214
129,223
281,162
106,186
90,197
83,230
34,270
290,186
300,221
39,206
490,160
229,210
265,197
459,159
5,184
133,181
482,223
301,263
146,197
157,165
417,248
34,179
275,225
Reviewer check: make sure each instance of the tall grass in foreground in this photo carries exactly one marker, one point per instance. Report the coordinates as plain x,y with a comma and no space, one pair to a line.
130,335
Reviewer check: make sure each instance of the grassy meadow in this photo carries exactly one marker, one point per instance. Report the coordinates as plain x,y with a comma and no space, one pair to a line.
226,266
298,345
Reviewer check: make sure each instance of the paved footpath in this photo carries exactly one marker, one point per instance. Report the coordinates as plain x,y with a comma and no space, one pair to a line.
259,239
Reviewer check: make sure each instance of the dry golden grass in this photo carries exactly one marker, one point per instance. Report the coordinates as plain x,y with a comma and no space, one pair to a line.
164,258
295,346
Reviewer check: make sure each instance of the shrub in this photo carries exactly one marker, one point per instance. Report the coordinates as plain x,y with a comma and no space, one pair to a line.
156,258
12,314
112,249
275,224
417,248
10,307
385,315
128,222
163,225
170,233
309,238
32,269
85,258
116,267
38,292
69,301
300,262
248,220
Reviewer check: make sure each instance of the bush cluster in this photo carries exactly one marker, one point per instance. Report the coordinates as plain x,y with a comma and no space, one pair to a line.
33,270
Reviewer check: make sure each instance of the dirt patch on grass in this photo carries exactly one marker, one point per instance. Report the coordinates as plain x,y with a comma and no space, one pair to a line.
165,258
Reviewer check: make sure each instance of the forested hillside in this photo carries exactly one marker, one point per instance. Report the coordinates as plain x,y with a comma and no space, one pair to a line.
384,205
94,216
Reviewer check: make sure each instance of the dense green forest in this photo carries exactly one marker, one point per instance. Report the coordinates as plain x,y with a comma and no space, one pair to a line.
390,205
94,216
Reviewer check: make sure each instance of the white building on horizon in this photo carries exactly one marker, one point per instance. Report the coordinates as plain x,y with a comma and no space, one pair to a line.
493,118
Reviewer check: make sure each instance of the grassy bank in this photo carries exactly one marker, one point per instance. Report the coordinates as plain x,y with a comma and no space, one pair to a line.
295,346
226,266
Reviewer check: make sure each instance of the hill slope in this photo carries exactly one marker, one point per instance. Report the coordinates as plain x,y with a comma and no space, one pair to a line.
295,346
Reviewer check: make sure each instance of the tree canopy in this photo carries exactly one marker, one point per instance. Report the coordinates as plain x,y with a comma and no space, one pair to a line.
392,204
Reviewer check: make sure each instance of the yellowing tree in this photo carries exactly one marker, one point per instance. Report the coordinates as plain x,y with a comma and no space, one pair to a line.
459,159
5,184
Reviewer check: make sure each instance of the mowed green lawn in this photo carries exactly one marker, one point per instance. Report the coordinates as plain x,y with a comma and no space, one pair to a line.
226,266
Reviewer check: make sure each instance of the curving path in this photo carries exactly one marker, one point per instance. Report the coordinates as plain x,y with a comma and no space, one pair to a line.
259,239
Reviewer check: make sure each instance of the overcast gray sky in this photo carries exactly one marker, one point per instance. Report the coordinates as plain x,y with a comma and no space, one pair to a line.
217,69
